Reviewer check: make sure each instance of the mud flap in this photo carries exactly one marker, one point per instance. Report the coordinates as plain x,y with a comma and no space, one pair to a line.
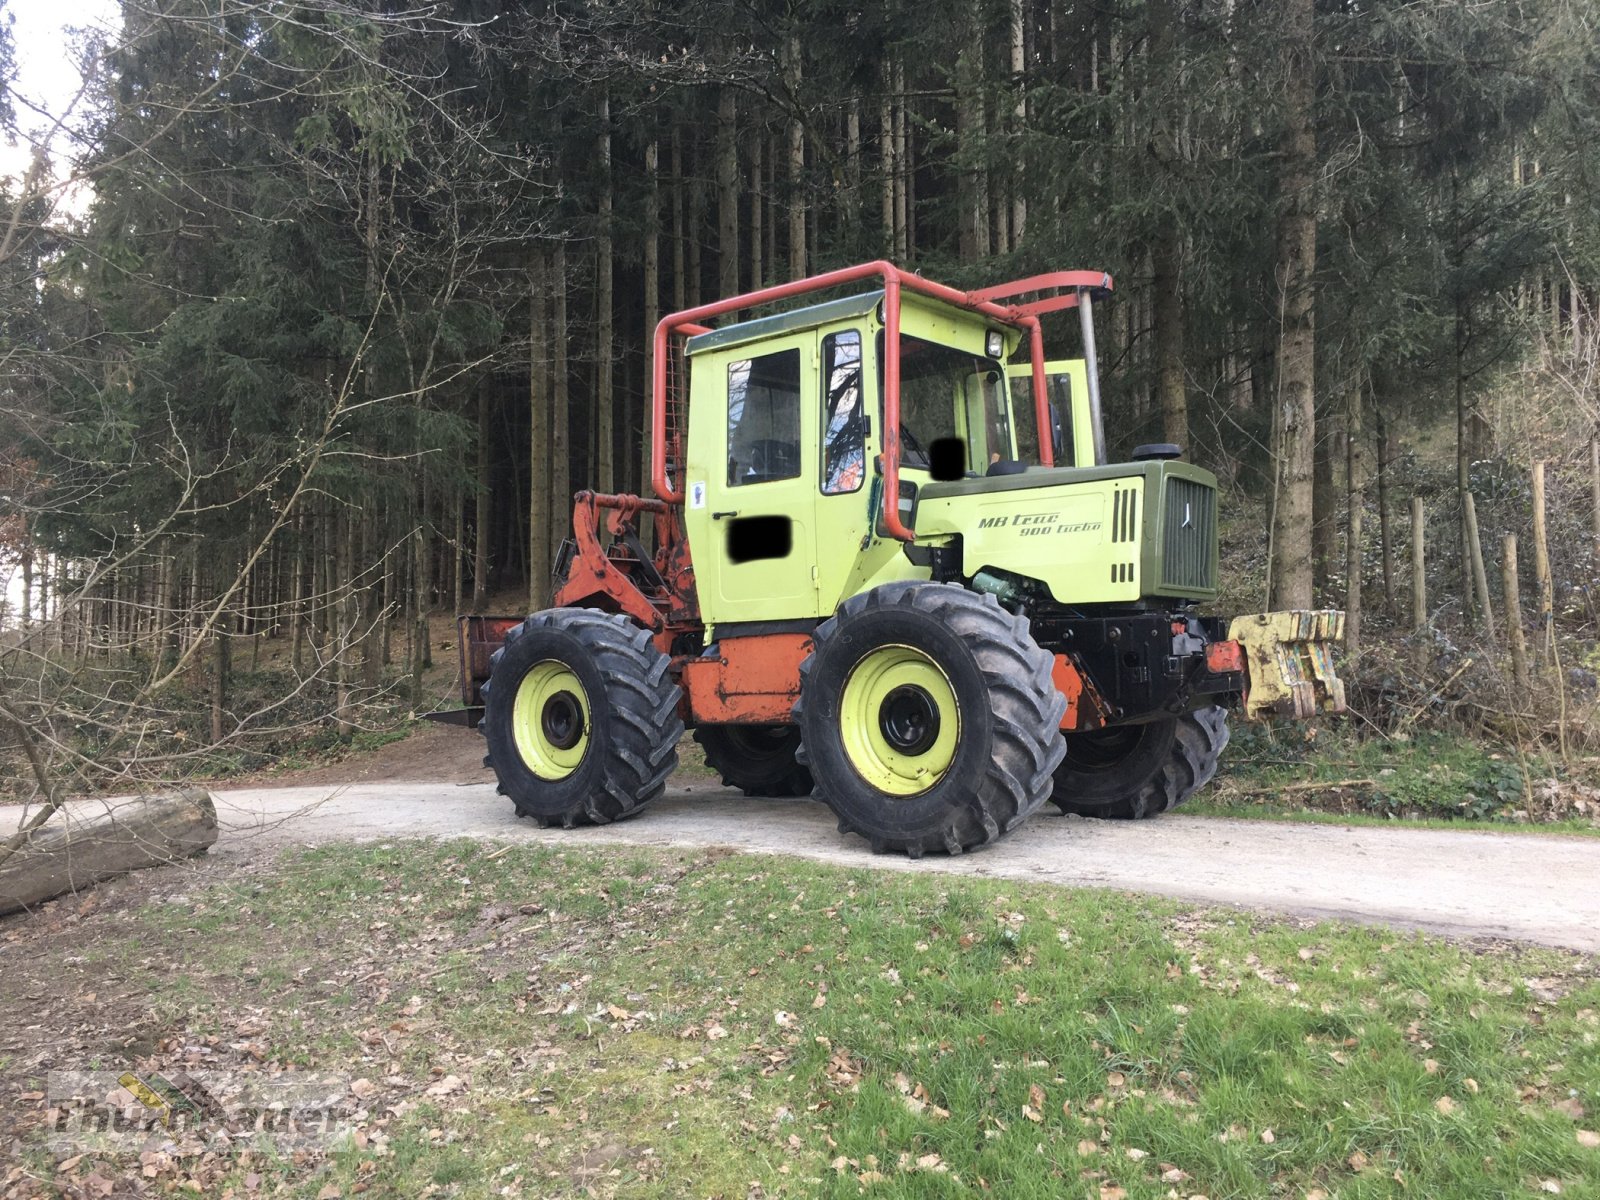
1289,662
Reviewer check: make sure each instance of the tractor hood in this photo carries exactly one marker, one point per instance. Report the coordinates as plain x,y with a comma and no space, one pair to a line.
1112,534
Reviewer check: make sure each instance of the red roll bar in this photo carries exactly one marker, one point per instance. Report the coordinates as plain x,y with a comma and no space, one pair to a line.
1023,317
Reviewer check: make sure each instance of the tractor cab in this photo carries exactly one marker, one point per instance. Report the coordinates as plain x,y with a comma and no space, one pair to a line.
784,468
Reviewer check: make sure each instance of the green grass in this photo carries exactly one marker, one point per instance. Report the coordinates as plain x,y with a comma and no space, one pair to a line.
1218,804
1433,779
651,1024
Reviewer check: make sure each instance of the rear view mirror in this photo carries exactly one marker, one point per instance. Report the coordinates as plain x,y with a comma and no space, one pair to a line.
1057,442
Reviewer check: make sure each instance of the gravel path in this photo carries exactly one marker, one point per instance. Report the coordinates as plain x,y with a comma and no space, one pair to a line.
1522,886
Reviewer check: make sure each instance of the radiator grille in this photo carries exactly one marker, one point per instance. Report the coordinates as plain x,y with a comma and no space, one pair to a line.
1190,536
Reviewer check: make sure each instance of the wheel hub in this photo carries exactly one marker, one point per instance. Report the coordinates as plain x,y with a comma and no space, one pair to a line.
899,720
562,720
550,720
909,719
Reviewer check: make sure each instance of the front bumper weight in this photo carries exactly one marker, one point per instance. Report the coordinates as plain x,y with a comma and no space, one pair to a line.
1289,662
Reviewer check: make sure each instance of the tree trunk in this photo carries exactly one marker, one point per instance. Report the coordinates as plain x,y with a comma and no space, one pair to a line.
1171,388
1480,577
1419,565
539,554
1594,498
697,223
560,439
757,213
652,302
727,194
1296,265
68,855
1385,547
419,593
220,667
1541,569
482,512
605,400
27,587
797,163
297,603
679,276
1356,499
886,165
1324,509
905,200
1019,65
971,189
1513,603
851,202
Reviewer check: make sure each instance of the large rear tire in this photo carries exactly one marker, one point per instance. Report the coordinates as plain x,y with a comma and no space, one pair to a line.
756,759
581,717
1130,772
928,718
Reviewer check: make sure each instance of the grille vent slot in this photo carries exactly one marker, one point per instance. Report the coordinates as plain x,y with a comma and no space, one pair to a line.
1124,515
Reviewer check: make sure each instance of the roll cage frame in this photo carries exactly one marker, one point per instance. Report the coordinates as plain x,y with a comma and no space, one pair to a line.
1053,292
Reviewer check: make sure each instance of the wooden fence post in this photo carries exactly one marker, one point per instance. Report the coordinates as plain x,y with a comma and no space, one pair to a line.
1419,583
1594,491
1513,602
1480,578
1541,568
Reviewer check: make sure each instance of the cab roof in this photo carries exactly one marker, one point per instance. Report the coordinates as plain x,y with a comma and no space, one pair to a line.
811,317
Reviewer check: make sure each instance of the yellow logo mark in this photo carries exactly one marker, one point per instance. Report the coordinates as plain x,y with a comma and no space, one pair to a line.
147,1096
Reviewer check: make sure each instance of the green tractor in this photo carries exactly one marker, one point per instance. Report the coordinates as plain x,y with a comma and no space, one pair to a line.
891,567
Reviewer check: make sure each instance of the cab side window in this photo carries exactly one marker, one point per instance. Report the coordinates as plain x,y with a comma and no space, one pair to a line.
1058,391
844,420
764,418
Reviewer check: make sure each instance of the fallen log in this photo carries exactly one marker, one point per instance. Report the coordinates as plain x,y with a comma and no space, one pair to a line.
72,852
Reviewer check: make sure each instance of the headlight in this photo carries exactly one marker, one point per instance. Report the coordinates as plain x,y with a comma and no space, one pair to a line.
995,344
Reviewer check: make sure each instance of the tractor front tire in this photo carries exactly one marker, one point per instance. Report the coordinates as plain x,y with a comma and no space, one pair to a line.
756,759
928,718
1130,772
581,717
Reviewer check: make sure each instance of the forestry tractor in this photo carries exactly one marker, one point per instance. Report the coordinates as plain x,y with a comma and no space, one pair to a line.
889,566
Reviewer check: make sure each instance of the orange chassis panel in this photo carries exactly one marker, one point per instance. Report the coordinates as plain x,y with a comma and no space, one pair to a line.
756,681
749,681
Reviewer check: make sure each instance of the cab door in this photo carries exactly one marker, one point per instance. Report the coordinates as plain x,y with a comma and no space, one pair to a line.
1066,386
751,500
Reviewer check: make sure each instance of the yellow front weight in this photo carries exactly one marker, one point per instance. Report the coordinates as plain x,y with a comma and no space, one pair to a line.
899,720
1289,662
550,720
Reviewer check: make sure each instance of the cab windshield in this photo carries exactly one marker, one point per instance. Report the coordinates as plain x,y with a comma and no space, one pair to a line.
950,394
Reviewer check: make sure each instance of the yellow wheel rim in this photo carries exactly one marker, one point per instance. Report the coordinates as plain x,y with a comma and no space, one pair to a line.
550,720
900,721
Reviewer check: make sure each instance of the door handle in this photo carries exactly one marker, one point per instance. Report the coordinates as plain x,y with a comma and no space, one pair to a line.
732,512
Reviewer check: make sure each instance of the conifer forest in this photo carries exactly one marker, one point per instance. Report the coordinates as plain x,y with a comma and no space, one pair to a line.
314,314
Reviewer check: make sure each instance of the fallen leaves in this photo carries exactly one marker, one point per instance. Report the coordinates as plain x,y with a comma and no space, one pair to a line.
916,1098
1033,1110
